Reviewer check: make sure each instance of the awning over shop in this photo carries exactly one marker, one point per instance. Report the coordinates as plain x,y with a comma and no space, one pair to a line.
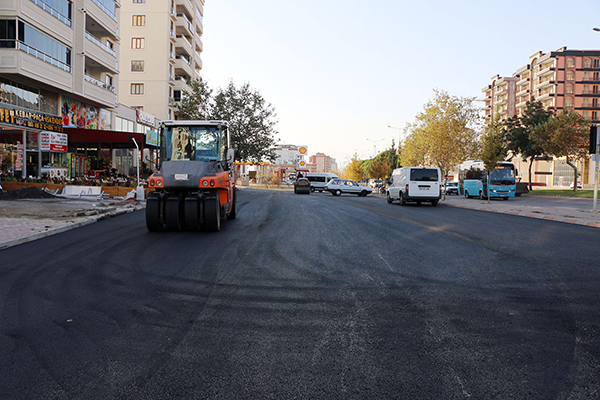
79,135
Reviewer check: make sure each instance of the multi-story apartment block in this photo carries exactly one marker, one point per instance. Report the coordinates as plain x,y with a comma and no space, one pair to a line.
323,162
58,69
561,79
160,51
499,98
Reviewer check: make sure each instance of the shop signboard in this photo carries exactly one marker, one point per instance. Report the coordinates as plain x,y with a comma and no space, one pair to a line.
24,118
52,141
19,161
151,137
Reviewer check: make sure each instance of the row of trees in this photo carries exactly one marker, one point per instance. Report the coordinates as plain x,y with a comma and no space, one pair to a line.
251,119
537,134
449,131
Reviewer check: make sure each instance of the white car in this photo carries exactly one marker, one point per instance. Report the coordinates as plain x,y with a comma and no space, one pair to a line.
338,186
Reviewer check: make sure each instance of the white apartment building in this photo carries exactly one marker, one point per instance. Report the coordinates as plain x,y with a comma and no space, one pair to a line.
58,70
161,49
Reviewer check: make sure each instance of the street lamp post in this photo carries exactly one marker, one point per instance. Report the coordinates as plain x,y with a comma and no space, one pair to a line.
399,134
375,145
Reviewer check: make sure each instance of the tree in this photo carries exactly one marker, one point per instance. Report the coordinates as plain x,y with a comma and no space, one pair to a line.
564,135
354,170
444,134
379,170
519,132
251,119
493,147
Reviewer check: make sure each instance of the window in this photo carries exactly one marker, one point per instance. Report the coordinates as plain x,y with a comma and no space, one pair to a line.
137,65
597,76
138,20
138,43
596,62
137,88
586,89
109,80
569,75
569,88
595,103
586,76
569,102
587,63
570,63
595,89
594,115
586,114
586,102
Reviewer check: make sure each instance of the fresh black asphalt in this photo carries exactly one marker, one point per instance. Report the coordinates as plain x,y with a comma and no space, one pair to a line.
306,297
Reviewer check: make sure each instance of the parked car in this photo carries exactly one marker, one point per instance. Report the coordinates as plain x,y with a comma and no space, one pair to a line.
339,186
579,185
451,188
302,185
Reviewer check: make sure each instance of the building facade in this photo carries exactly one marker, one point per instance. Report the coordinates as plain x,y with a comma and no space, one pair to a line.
561,79
58,70
161,49
323,163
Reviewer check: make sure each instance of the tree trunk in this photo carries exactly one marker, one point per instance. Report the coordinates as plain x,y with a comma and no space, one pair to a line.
574,166
530,165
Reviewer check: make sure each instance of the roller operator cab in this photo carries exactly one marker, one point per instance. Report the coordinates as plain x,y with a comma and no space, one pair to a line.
195,185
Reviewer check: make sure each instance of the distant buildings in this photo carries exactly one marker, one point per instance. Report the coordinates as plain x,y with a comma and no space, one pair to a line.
561,79
323,163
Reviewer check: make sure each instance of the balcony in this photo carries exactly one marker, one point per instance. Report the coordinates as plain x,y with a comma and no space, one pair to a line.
184,44
545,83
101,53
183,68
99,23
180,84
185,6
522,91
183,25
98,91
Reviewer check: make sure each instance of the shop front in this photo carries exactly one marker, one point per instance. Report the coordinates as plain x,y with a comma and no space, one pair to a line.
31,143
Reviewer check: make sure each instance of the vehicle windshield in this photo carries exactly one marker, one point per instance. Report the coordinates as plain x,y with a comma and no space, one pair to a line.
424,175
192,143
503,175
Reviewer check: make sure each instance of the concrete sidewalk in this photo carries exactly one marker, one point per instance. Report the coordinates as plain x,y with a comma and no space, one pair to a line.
25,220
569,210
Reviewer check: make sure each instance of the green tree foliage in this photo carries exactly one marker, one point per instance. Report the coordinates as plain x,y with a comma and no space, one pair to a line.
379,169
251,119
444,134
564,135
354,170
493,146
519,132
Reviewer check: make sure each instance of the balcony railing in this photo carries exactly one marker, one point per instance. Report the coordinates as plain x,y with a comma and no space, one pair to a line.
184,38
105,9
42,56
98,43
50,10
98,82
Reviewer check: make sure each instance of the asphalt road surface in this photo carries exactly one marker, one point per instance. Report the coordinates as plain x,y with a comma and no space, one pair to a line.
306,297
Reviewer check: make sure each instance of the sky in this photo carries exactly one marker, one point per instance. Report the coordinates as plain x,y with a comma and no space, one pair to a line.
339,73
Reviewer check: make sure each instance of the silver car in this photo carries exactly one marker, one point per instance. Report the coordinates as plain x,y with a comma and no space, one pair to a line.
339,186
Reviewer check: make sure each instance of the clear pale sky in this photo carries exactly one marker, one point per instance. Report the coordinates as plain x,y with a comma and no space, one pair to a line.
338,72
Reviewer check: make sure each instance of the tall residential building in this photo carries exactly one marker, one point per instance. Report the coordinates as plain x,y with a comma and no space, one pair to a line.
561,79
160,50
58,69
323,162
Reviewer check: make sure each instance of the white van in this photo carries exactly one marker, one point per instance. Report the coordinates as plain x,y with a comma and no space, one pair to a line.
318,180
415,184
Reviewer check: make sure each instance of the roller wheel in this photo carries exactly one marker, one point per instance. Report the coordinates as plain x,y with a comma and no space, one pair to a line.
212,215
233,211
153,214
192,216
173,213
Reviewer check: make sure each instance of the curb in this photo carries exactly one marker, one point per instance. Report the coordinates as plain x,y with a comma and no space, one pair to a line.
568,220
53,231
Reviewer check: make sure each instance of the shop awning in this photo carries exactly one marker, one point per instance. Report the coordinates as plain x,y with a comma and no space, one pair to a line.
79,135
